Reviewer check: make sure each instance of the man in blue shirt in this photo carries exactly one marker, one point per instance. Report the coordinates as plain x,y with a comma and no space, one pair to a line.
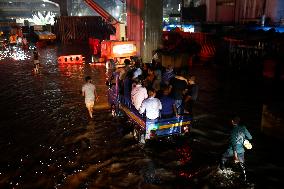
178,84
190,95
168,104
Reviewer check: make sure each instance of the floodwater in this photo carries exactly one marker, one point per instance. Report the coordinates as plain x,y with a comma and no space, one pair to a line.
48,141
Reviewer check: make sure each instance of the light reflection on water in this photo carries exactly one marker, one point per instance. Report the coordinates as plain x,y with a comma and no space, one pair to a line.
47,139
15,52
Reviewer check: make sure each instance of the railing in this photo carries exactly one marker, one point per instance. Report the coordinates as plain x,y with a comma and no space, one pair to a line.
165,127
127,102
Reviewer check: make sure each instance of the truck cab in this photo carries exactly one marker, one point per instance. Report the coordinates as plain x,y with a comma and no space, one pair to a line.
119,50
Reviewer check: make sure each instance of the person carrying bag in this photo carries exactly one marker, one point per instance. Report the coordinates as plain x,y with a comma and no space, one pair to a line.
236,148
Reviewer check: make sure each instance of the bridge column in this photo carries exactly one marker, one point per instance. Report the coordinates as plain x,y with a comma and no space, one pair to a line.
211,10
63,6
144,25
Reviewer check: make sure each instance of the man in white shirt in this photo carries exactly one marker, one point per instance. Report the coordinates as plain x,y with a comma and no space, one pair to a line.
138,94
90,94
152,106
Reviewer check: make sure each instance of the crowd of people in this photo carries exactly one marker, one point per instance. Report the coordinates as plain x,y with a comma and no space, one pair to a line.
172,88
161,92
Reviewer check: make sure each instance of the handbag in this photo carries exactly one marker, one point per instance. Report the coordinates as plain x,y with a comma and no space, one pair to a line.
247,144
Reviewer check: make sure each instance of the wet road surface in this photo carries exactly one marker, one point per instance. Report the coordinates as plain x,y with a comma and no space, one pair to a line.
48,141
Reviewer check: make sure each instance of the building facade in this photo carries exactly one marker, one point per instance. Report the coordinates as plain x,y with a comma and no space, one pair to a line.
231,11
242,11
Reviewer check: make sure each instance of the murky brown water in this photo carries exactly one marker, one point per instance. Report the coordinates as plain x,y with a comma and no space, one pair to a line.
48,141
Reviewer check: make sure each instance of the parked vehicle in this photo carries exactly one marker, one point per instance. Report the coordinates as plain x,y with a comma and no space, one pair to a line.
122,106
114,50
119,50
40,33
45,36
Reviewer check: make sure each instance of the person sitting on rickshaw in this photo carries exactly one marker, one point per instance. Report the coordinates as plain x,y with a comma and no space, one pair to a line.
168,103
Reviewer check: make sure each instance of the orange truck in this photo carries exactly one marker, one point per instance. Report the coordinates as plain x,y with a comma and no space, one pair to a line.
111,49
118,50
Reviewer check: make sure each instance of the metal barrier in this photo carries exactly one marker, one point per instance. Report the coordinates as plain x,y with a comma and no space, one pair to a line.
71,59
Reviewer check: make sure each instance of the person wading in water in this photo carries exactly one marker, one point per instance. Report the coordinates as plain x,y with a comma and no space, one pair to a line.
90,94
236,148
36,61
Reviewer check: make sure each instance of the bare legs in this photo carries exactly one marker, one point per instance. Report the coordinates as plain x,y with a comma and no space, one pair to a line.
90,110
90,107
36,68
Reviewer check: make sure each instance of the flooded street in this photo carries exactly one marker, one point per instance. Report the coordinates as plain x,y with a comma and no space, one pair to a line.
47,139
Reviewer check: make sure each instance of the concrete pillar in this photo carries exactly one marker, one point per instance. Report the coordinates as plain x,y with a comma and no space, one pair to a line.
152,27
280,12
237,12
273,8
135,22
63,7
211,10
144,25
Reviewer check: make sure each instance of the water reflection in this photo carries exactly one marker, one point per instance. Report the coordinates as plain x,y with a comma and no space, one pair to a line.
15,53
68,70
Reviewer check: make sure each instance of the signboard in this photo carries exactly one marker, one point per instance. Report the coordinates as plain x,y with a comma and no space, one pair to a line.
123,48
